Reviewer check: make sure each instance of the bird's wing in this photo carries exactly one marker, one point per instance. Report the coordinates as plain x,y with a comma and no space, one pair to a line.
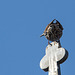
60,26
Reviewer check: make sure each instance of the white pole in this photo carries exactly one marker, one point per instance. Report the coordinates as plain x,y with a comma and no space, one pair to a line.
53,67
54,56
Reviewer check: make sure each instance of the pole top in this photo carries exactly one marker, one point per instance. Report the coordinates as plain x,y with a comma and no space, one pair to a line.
53,49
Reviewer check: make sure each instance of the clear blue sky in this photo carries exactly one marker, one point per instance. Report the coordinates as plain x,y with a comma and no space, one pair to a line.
21,24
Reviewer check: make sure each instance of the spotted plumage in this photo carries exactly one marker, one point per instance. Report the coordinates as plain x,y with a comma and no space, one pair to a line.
53,31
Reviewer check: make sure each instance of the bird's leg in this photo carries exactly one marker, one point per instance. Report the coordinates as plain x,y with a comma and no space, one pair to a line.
48,42
59,43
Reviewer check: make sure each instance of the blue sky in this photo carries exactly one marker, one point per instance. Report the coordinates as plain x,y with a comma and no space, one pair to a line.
21,24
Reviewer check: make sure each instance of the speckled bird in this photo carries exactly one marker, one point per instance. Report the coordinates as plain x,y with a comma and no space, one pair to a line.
53,31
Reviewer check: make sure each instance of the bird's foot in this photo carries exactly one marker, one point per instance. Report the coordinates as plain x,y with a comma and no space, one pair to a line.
49,43
58,41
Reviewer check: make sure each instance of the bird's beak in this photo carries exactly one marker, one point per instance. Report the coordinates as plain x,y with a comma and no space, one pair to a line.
42,35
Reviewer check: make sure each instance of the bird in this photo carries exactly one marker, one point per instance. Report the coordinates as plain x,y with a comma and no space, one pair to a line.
53,31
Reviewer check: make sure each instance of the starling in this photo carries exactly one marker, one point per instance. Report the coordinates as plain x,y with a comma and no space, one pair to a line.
53,31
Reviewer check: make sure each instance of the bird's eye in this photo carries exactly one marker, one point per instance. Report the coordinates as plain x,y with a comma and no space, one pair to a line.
46,33
51,26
